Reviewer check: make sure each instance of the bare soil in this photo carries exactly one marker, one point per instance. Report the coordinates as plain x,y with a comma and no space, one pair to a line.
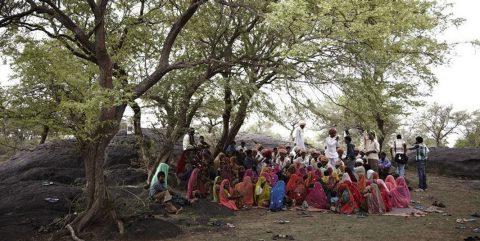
461,197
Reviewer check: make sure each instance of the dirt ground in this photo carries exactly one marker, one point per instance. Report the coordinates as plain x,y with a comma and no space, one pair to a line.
461,197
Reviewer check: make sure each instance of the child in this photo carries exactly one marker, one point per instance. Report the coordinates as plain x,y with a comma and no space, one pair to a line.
421,152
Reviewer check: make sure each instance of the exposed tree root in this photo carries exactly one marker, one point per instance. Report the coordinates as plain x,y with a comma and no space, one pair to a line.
72,233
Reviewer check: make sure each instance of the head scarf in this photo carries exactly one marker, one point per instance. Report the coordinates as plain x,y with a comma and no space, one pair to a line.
194,183
370,174
360,170
375,176
400,194
162,167
346,178
391,183
225,194
262,195
385,195
316,196
276,196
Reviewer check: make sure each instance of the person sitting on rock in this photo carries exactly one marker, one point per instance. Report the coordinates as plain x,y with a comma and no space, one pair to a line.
159,192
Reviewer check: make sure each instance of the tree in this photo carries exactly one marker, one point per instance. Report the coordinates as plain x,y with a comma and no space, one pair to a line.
383,63
103,34
439,122
471,132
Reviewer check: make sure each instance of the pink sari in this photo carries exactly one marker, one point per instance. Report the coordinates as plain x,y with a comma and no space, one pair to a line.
224,195
316,196
194,184
400,194
391,183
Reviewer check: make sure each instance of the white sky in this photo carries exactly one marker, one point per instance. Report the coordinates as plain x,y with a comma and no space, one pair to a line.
459,82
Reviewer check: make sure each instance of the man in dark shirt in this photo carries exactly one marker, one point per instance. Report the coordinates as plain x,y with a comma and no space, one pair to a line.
350,155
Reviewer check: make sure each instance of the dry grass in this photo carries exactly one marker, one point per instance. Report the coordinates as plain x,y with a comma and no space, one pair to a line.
461,197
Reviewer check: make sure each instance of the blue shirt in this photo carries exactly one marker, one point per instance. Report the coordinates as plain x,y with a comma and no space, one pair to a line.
384,163
156,188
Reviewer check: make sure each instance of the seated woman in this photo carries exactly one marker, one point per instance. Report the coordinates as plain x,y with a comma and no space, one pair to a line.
374,200
216,188
387,200
346,203
226,197
262,192
316,197
245,190
276,196
159,192
196,186
391,183
400,194
296,189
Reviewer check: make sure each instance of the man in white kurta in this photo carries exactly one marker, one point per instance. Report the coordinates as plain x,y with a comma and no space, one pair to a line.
299,141
331,144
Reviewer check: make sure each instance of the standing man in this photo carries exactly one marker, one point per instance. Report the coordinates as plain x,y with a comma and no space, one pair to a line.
331,144
399,154
189,140
299,141
189,148
421,157
372,148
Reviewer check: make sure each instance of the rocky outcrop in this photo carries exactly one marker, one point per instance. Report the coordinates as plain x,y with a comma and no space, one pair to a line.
456,162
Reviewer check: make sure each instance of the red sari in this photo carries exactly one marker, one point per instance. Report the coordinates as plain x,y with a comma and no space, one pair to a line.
296,189
346,202
387,200
225,194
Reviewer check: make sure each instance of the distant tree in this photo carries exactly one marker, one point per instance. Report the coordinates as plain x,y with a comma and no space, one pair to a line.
439,122
471,133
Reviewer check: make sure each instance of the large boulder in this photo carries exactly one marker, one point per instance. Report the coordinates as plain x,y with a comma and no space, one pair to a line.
456,162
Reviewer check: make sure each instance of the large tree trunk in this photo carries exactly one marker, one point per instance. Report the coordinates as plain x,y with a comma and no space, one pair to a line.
227,113
230,131
44,135
100,208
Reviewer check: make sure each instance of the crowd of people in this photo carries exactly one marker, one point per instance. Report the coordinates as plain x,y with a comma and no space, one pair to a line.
343,178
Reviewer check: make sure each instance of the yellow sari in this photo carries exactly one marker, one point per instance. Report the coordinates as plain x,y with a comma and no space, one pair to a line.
262,195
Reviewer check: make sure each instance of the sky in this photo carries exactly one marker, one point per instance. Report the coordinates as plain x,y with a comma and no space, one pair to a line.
459,81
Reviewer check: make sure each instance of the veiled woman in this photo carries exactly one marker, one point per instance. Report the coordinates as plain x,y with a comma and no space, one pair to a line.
262,192
374,200
245,189
400,194
226,195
